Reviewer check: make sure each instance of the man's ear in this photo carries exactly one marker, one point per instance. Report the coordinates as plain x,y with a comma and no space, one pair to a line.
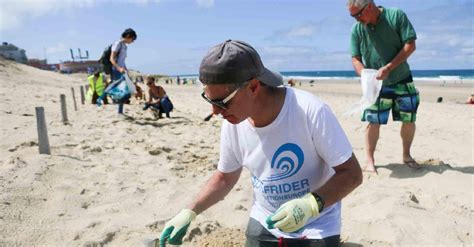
254,86
371,5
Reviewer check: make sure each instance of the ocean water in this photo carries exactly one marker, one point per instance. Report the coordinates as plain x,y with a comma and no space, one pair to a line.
428,75
346,74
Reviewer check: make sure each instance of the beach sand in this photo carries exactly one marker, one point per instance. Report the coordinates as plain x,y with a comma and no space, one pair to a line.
116,181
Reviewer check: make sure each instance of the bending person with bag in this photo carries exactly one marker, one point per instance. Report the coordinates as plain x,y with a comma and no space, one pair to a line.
117,59
97,85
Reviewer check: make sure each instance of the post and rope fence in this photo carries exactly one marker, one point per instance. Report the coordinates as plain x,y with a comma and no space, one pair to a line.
74,99
43,142
82,95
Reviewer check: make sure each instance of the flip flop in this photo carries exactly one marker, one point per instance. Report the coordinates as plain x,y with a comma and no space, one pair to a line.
412,164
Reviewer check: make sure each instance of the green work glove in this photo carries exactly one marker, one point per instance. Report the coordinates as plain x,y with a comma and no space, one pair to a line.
293,215
176,228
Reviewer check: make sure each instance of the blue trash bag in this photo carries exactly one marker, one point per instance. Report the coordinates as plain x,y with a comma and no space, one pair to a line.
119,90
166,104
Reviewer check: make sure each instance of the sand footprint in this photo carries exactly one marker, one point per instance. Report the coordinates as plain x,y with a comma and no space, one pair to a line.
158,150
17,163
204,228
107,239
24,144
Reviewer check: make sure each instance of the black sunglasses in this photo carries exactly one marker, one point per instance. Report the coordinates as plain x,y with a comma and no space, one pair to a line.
221,103
359,14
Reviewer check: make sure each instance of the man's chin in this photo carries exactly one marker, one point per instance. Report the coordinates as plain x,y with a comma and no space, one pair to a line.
232,119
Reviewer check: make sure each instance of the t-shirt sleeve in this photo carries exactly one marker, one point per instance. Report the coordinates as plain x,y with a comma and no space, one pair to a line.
355,42
116,46
329,138
405,28
228,161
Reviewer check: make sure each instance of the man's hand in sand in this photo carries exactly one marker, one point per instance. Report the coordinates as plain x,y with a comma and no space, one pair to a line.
176,228
294,214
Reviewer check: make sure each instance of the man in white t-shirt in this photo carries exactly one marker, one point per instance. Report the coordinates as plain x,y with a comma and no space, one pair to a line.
300,160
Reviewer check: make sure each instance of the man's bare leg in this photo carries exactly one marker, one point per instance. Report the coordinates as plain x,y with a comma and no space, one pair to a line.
407,132
371,137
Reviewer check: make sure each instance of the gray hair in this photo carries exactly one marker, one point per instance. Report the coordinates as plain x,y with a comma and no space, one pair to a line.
234,86
358,3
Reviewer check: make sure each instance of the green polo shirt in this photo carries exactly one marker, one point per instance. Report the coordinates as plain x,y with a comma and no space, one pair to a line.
379,44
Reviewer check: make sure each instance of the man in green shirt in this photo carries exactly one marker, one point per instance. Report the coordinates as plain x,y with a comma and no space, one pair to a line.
383,39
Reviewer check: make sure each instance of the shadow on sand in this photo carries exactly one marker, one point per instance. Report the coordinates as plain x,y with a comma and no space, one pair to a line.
403,171
349,244
155,122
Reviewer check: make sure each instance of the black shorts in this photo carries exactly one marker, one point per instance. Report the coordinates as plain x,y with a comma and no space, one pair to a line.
259,236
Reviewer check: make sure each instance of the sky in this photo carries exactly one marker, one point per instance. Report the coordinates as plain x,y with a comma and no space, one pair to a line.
174,35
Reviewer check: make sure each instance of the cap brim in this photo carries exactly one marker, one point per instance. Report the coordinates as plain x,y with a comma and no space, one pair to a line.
271,78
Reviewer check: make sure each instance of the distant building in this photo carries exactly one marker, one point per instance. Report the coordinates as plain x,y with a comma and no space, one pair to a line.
54,66
80,66
11,52
43,64
39,63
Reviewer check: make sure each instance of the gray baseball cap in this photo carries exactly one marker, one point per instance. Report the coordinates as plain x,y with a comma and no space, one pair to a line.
235,62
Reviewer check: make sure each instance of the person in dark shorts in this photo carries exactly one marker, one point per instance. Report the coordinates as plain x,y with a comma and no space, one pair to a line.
157,99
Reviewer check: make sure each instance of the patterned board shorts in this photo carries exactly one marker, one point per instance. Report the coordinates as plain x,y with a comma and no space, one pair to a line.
402,98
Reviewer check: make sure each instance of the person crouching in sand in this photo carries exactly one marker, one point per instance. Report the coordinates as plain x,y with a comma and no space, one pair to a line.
157,99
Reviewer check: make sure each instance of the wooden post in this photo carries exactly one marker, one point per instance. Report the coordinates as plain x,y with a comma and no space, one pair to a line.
82,94
43,141
63,108
74,99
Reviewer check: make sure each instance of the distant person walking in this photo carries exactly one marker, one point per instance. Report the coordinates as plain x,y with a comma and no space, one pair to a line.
117,58
383,39
96,87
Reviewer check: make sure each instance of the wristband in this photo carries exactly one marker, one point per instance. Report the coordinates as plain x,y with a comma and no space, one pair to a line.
320,202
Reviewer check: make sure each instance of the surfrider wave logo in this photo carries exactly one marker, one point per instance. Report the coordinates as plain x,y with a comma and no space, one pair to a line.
288,160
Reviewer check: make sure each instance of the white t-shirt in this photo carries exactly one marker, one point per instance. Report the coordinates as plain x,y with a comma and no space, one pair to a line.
121,48
289,158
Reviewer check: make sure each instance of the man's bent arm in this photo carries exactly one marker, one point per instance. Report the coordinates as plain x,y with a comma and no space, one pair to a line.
348,176
402,55
216,188
358,65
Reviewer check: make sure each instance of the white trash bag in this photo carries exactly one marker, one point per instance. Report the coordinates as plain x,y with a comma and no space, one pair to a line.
130,84
370,91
